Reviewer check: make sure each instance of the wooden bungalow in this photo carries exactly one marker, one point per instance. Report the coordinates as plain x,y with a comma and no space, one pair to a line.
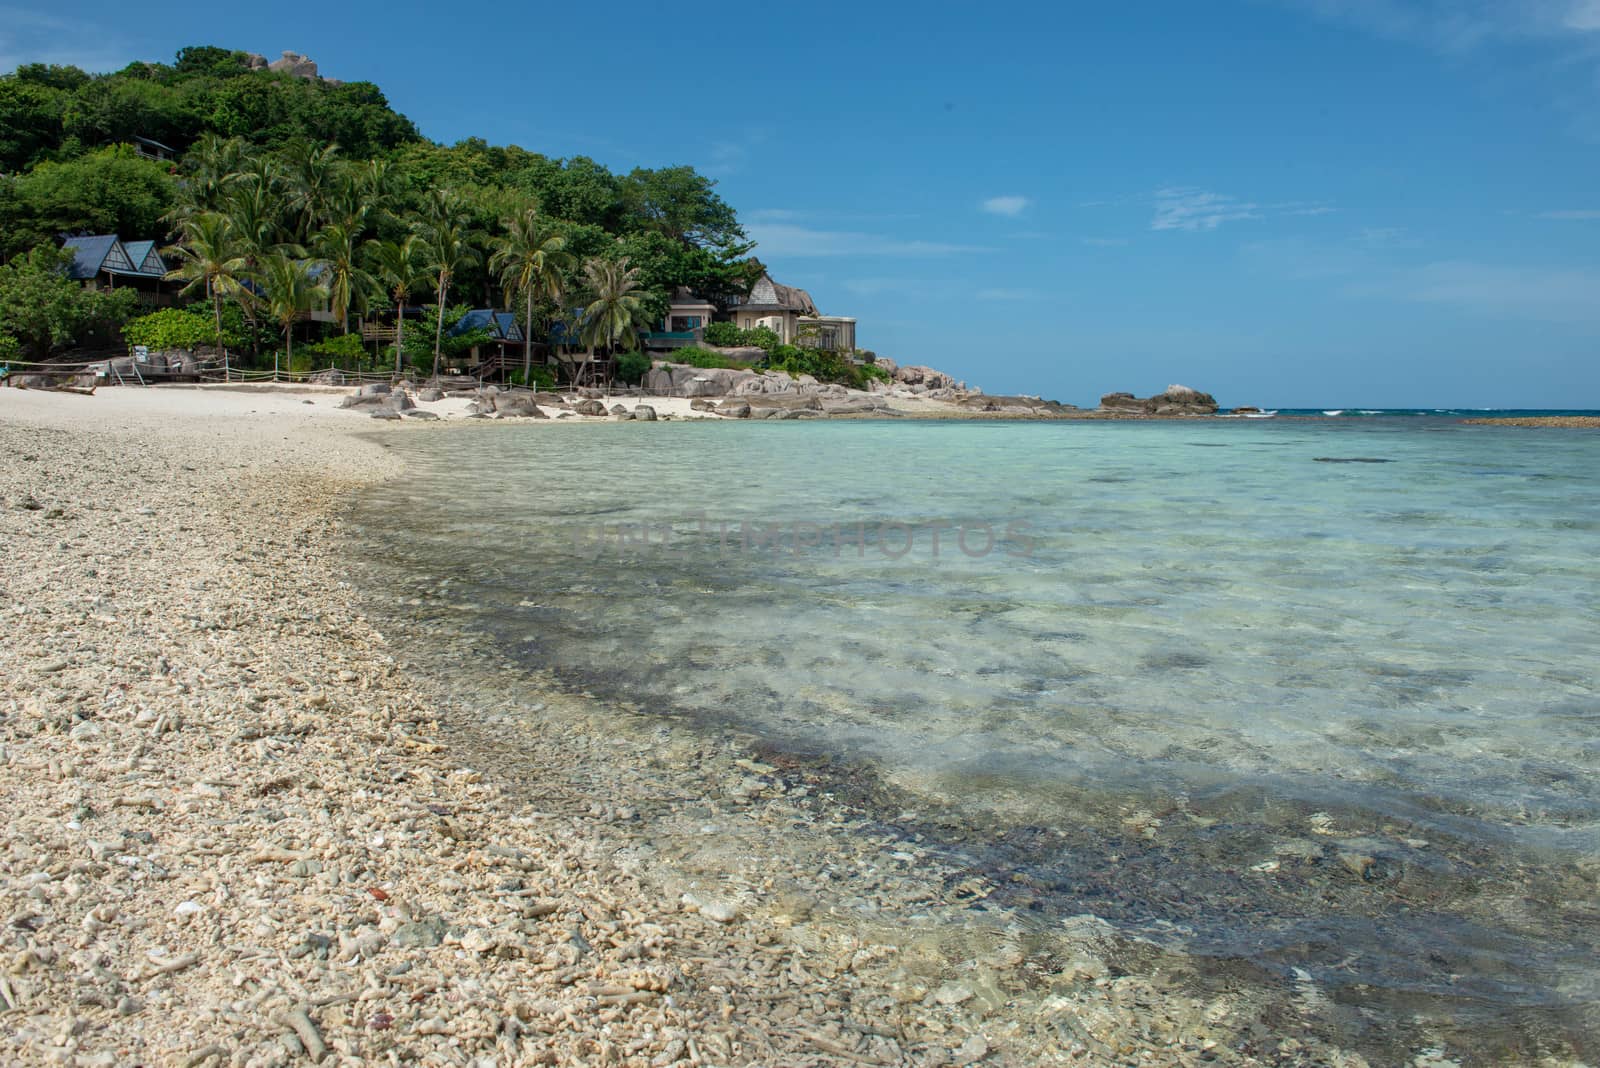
104,261
504,349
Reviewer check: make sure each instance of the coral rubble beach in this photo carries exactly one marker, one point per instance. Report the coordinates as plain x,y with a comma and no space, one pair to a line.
241,831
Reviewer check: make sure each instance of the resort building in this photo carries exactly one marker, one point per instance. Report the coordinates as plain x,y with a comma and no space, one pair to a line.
779,308
685,323
105,261
785,310
504,345
835,333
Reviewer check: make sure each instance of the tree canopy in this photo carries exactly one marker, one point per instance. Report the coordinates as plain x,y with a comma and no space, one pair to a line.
273,167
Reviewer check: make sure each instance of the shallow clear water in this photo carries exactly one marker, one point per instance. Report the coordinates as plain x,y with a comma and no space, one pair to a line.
1318,696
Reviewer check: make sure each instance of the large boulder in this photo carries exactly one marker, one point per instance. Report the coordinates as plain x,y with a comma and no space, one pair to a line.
701,404
431,394
734,409
589,406
927,377
858,405
400,401
644,413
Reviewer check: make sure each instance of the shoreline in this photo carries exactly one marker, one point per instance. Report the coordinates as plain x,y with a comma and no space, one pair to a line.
242,832
1564,422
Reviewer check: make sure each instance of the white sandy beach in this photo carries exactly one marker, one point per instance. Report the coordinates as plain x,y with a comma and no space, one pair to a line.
241,833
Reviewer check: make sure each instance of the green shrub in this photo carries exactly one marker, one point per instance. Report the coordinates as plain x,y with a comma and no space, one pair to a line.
633,366
344,350
762,337
171,328
698,357
724,335
543,377
9,348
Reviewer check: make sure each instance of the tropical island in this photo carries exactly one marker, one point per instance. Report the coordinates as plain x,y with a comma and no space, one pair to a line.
225,218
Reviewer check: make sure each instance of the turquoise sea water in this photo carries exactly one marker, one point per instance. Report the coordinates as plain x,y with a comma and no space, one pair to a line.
1318,697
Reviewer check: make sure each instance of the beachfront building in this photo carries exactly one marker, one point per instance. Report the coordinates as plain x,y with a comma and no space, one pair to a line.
685,323
779,308
504,345
105,261
835,333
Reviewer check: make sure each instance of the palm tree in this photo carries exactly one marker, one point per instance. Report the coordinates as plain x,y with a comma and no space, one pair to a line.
314,175
291,288
210,262
210,166
445,250
339,245
399,265
616,306
530,260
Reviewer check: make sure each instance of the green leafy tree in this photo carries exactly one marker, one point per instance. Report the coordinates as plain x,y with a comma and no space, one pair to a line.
399,266
45,311
30,121
681,204
291,289
531,260
111,191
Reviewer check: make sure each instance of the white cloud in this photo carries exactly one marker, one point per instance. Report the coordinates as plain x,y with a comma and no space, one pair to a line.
1363,268
1460,25
1538,293
1581,214
1583,16
1183,208
28,36
787,239
1009,206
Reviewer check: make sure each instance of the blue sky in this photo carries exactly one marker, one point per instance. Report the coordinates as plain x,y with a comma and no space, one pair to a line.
1285,202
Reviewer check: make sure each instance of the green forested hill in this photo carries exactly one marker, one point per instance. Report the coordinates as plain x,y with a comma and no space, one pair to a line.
272,168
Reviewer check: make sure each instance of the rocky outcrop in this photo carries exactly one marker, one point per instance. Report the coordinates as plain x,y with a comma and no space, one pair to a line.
644,413
1177,400
926,377
1013,405
589,406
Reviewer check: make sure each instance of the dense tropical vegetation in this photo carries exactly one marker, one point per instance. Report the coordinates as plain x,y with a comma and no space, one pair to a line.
288,194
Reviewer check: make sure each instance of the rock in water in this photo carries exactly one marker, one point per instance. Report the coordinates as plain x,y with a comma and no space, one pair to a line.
1177,400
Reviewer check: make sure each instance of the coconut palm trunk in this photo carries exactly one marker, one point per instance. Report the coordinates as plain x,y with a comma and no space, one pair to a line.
399,337
438,329
527,344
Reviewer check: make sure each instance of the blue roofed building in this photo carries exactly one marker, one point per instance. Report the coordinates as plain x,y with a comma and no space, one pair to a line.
502,349
105,261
